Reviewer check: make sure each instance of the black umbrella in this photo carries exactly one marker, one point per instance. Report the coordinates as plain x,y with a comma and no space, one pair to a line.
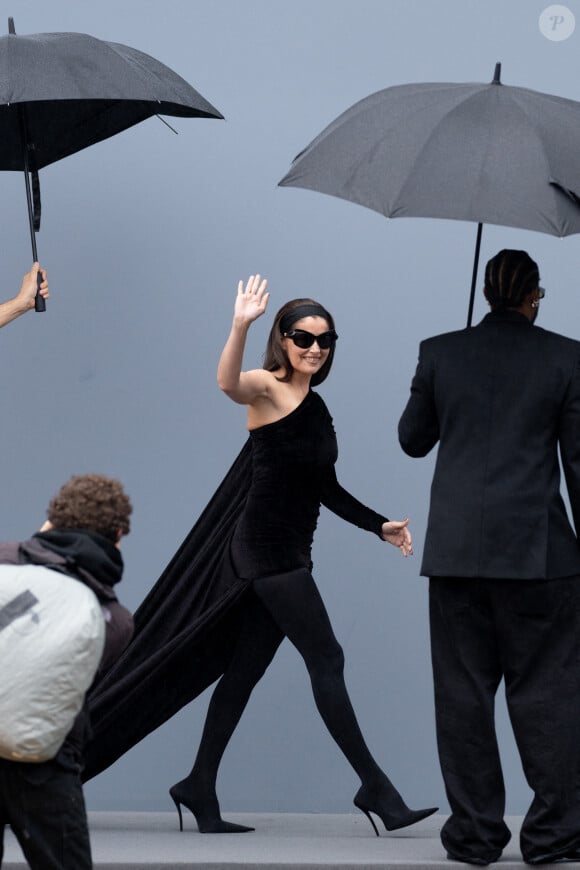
61,92
478,152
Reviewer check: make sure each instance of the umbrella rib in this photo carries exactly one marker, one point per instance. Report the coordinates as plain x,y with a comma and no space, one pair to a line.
138,71
167,124
481,168
367,154
428,140
550,173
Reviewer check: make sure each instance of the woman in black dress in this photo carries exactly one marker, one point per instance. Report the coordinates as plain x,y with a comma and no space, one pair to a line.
293,451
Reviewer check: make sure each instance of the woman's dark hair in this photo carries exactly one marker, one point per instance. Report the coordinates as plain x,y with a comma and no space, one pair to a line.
509,277
276,357
91,502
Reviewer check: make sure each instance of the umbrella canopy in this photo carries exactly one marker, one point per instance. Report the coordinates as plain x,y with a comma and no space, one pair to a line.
61,92
478,152
78,90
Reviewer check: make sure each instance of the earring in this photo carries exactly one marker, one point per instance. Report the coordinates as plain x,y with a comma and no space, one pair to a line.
535,303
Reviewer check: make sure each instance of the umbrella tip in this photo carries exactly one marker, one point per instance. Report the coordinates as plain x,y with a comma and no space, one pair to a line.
497,74
11,25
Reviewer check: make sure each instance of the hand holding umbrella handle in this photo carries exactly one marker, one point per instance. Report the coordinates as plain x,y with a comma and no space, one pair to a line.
39,301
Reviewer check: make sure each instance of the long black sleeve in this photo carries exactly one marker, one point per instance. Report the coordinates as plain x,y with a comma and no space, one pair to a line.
336,498
419,424
569,425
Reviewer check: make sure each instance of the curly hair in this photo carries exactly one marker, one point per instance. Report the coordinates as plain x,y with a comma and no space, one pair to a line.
509,277
91,502
276,357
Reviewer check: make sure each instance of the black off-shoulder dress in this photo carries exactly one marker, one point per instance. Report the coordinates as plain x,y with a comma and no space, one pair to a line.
259,523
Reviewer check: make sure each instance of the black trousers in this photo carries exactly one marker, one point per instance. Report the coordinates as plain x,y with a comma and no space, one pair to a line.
527,632
44,806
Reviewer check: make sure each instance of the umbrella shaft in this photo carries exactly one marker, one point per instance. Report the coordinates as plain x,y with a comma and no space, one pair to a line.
474,275
39,303
24,139
30,214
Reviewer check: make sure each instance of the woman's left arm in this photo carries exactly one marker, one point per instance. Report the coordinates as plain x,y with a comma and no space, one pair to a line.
337,499
397,533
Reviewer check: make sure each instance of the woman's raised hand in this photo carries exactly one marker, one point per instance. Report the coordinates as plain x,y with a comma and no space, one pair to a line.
243,387
251,301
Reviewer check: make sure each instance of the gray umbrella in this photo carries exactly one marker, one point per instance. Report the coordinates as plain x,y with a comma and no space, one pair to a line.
478,152
61,92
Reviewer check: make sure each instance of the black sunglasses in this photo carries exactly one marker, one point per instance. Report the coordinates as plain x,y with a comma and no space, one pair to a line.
304,339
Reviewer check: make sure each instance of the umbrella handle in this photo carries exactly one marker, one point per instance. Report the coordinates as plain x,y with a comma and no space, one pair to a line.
39,301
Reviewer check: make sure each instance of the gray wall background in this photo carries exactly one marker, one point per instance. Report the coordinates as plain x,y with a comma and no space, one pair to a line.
145,237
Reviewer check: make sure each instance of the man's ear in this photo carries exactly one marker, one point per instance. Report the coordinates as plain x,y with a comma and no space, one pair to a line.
47,526
119,536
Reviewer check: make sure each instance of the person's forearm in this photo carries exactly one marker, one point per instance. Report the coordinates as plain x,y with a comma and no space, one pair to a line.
230,364
11,310
342,503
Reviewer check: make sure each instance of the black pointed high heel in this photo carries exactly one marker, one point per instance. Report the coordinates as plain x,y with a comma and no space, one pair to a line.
386,803
206,812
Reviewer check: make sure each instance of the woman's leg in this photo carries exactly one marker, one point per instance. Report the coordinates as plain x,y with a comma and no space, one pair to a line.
286,604
258,642
255,648
296,606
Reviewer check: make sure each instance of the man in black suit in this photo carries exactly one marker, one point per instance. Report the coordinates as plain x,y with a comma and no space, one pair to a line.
504,563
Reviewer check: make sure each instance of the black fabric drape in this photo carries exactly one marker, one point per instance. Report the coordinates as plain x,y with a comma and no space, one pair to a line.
185,630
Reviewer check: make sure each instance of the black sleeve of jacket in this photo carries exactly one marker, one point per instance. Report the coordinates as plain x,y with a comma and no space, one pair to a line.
570,444
10,553
419,424
118,632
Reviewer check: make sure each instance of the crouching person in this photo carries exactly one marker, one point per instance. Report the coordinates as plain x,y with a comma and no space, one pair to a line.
43,801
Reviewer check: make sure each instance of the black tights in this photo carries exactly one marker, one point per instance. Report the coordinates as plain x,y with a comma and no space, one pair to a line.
284,605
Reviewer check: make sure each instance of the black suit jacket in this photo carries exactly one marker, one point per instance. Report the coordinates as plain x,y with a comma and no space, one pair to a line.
499,398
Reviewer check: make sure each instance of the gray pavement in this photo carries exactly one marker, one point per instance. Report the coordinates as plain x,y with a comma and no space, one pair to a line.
152,841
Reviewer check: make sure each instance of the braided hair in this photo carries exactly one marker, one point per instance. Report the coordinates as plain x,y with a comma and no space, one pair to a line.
509,277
